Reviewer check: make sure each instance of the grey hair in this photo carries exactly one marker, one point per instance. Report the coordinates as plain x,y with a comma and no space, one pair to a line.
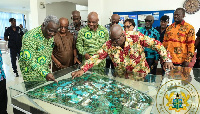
51,18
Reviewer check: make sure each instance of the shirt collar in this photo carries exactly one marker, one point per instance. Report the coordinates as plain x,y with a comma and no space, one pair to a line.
92,30
182,23
151,29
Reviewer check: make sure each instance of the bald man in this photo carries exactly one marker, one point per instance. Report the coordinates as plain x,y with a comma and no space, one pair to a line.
90,40
64,52
115,18
127,53
151,55
75,26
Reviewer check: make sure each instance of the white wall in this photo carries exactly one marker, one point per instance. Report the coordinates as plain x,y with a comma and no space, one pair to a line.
61,9
105,8
83,11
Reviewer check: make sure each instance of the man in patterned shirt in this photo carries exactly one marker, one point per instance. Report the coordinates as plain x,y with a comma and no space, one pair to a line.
90,40
151,55
37,47
75,26
127,53
179,39
3,91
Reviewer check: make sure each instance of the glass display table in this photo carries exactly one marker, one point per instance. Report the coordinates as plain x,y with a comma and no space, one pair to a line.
91,93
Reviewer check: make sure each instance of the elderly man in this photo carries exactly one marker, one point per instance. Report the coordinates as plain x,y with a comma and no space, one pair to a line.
15,34
151,55
114,20
126,52
91,38
179,39
37,47
75,26
64,52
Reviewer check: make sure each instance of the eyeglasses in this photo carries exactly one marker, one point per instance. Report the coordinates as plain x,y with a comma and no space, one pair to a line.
128,26
116,40
51,31
146,20
63,27
115,22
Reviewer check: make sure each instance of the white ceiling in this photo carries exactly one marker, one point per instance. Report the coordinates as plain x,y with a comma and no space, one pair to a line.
25,4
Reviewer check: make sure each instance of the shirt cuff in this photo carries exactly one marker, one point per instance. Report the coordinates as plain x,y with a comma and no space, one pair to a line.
84,53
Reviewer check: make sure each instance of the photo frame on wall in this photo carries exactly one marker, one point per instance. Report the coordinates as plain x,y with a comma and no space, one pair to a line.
139,17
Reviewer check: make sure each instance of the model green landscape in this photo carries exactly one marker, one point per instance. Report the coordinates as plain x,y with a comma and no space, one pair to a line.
94,93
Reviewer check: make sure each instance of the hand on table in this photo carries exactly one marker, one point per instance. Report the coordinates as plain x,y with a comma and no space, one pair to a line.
50,77
168,65
77,73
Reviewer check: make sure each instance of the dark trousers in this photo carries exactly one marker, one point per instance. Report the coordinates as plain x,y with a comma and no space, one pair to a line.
150,63
3,97
196,70
108,63
151,78
14,53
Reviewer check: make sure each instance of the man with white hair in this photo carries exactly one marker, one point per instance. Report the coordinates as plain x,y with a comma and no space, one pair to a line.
37,47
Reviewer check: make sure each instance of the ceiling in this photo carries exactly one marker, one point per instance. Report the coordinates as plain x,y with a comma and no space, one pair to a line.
25,4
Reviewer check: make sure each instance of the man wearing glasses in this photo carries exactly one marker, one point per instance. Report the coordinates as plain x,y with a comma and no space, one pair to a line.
151,55
90,40
127,53
64,52
114,20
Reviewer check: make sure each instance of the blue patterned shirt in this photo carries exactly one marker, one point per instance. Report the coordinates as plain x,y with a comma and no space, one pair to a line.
152,33
2,74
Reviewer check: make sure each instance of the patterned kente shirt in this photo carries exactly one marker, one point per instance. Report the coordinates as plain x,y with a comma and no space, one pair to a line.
179,40
152,33
2,73
73,30
132,57
35,55
91,41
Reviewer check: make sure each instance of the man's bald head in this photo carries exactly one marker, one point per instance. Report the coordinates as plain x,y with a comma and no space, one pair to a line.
115,16
75,13
149,17
117,36
93,20
116,30
63,20
63,25
93,15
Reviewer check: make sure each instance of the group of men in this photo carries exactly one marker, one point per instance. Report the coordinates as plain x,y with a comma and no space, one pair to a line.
127,51
90,44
